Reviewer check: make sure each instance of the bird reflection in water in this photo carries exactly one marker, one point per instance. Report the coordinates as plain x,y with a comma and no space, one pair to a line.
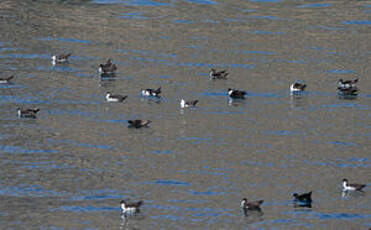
151,100
252,210
107,81
349,194
130,218
235,101
297,100
253,216
302,205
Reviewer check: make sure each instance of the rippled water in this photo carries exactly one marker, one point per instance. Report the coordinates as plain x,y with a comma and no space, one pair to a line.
71,167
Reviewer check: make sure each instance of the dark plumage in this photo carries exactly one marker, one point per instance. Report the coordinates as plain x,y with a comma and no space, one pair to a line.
108,68
138,123
151,92
251,205
234,93
347,83
6,80
304,198
27,113
348,87
213,74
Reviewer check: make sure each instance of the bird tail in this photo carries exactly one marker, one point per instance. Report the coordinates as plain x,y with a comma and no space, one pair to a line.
362,186
9,78
139,203
195,102
158,91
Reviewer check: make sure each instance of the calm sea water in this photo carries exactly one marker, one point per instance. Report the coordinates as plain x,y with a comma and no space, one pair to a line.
71,167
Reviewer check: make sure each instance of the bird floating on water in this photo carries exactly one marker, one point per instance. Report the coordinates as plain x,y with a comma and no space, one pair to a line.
213,74
347,83
6,80
238,94
108,68
352,187
115,97
251,205
297,87
348,87
184,103
138,123
305,198
27,113
60,58
151,92
130,208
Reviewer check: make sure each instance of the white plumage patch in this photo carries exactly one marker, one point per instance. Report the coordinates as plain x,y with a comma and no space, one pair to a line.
146,93
347,188
183,104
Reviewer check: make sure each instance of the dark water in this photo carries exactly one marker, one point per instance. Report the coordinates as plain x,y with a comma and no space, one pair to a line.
71,167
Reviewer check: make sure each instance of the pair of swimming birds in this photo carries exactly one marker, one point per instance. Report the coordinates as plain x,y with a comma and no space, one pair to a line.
233,93
255,205
144,92
347,87
107,68
306,197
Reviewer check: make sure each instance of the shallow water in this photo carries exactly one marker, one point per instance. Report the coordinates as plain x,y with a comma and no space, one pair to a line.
71,167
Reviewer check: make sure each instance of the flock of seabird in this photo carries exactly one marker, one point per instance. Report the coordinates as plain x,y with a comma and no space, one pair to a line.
345,88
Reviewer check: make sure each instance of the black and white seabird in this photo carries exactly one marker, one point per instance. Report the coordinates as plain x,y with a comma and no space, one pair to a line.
352,187
27,113
348,87
303,198
184,104
6,80
115,97
213,74
108,68
234,93
347,83
297,87
130,208
60,58
138,123
251,205
151,92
